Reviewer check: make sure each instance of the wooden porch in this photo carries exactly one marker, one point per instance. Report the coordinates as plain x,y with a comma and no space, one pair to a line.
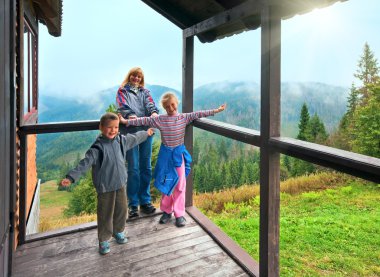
153,249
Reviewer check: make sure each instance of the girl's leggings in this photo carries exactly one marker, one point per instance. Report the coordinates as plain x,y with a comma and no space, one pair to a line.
176,201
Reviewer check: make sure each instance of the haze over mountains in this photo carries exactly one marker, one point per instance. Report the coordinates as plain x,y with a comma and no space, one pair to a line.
243,99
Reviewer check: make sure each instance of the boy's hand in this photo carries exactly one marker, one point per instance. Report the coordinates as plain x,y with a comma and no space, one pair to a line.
122,119
154,114
150,132
65,182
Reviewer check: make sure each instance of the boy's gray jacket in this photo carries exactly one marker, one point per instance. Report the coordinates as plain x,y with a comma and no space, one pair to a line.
107,159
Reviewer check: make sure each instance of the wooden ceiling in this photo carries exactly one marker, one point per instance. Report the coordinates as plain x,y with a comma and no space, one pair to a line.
235,15
49,13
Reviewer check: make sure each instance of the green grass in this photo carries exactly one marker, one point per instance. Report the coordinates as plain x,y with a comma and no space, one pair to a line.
52,201
52,204
51,197
334,232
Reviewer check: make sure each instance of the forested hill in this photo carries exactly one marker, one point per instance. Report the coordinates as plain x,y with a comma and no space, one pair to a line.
243,99
60,108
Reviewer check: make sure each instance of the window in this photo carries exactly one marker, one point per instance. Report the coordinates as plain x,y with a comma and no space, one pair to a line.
29,98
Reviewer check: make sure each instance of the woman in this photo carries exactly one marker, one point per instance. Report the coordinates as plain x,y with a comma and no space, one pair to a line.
134,101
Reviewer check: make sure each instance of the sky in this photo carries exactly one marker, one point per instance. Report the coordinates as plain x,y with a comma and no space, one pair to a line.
101,42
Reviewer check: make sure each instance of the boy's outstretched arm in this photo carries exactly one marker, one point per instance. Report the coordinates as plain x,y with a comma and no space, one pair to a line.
150,132
131,140
85,164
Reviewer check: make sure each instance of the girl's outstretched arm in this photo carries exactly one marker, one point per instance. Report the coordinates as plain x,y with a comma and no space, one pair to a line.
221,108
140,121
190,117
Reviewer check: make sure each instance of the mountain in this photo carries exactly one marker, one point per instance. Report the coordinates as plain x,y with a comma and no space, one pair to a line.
243,100
243,109
58,109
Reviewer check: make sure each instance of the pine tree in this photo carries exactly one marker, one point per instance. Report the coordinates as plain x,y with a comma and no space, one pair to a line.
367,72
304,121
316,131
352,101
366,126
222,149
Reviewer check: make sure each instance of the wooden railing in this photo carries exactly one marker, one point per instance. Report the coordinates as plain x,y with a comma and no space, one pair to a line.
354,164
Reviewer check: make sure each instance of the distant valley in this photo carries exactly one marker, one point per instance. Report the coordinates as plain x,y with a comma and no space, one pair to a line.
242,98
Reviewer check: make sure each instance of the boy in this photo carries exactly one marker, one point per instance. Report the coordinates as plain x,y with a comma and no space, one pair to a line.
109,175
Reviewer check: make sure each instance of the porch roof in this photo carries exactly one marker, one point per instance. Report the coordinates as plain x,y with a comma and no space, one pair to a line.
238,15
49,13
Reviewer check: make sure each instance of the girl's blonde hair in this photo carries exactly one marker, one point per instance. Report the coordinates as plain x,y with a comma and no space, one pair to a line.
167,97
134,71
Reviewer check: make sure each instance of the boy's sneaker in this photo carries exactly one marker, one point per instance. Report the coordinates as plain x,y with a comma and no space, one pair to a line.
147,208
120,238
165,218
104,247
133,212
180,221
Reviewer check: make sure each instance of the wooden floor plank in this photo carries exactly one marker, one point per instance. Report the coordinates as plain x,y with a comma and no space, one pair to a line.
88,249
153,249
155,268
199,267
89,240
129,257
139,261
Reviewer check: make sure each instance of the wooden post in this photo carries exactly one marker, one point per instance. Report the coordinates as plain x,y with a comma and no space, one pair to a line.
187,103
12,119
270,127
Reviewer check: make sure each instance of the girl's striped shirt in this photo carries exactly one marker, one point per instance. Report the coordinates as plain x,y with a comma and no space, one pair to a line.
172,128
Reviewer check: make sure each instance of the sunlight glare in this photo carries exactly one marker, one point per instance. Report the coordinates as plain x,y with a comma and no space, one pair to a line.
323,21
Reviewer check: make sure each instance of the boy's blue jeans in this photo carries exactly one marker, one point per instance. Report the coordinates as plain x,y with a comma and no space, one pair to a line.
139,173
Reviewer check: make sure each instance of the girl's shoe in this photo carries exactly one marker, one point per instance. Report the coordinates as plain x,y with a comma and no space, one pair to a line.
120,238
180,221
104,247
165,218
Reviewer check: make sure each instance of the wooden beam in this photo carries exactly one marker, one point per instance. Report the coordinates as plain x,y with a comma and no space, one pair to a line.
230,131
352,163
13,116
239,12
270,123
23,189
59,127
167,10
60,232
187,104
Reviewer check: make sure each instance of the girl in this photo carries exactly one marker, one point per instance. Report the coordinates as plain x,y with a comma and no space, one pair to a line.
170,174
134,101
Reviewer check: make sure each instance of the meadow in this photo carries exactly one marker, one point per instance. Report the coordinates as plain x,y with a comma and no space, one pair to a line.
329,222
331,232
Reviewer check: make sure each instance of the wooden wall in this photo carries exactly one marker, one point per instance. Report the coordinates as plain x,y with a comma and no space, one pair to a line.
6,132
